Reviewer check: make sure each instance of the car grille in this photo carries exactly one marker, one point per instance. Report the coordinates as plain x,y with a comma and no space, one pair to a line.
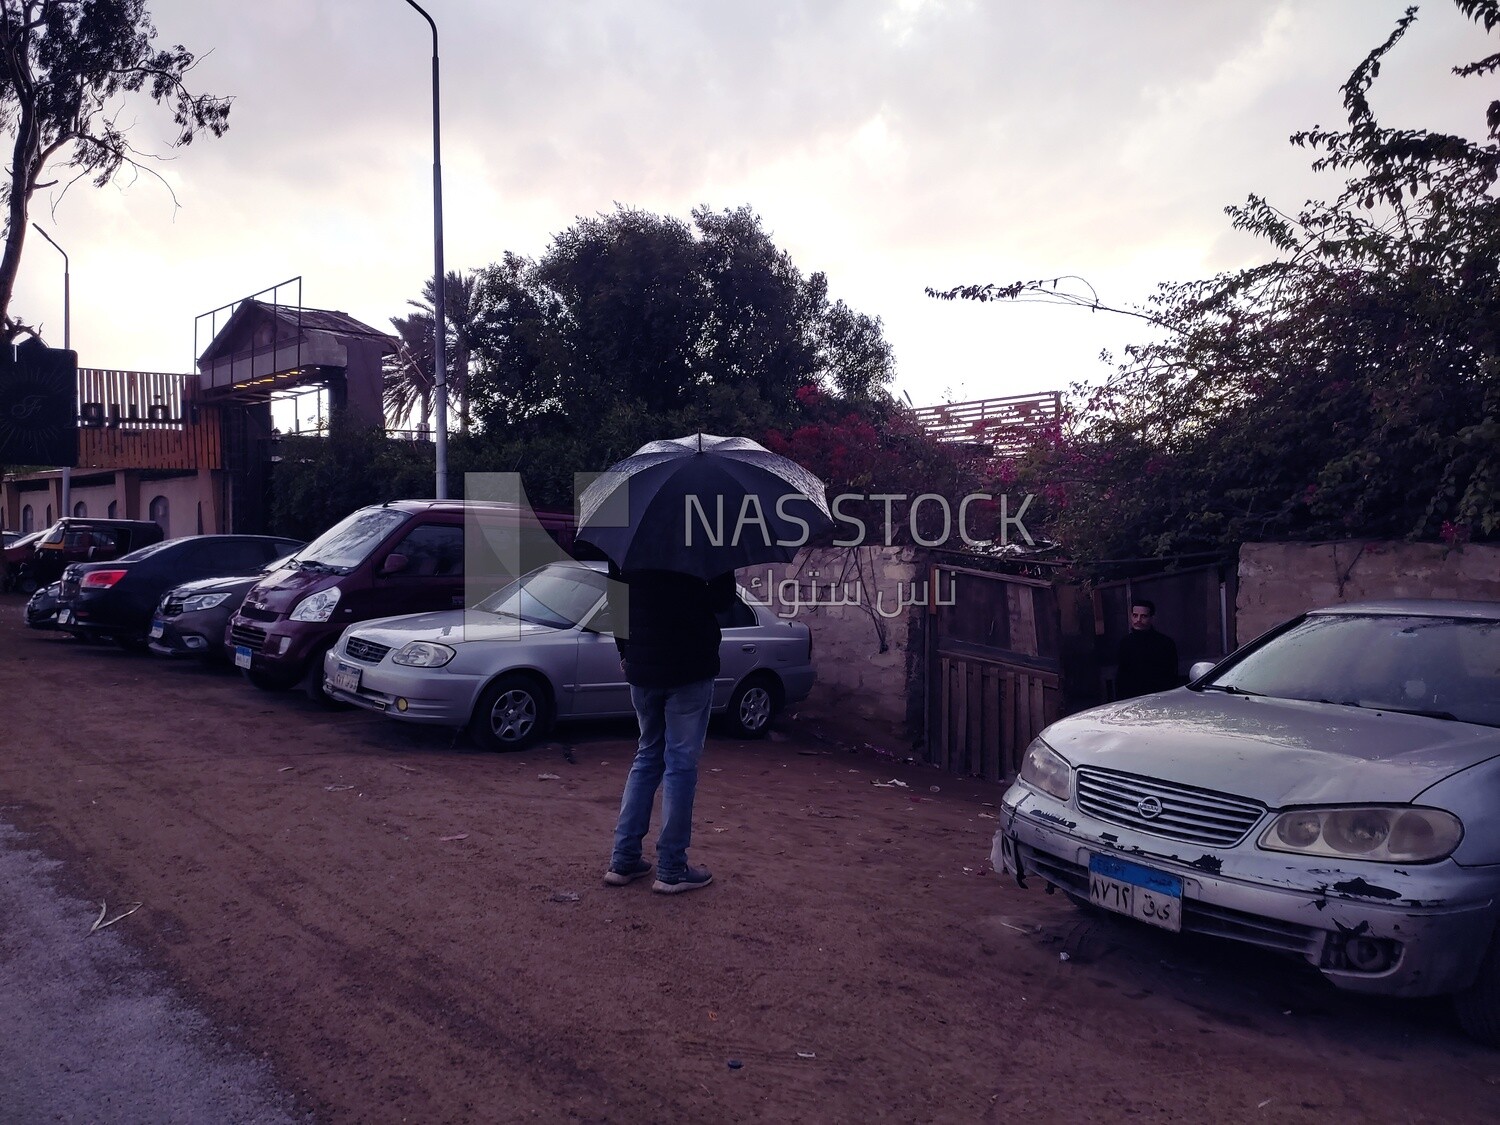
172,607
366,652
247,610
1196,816
247,636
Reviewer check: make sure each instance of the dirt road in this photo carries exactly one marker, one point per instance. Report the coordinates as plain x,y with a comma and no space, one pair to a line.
408,929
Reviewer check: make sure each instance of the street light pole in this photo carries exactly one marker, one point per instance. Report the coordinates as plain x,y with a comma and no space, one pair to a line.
440,327
67,473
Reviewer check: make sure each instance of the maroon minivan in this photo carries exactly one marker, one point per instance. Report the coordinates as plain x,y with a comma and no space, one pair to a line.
405,556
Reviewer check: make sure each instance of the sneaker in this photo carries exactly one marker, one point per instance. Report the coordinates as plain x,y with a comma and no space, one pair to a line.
689,880
629,873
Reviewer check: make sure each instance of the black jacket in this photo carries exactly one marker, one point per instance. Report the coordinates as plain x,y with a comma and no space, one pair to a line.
665,625
1148,662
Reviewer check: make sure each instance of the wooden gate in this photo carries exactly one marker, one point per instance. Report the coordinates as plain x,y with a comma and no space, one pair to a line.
994,660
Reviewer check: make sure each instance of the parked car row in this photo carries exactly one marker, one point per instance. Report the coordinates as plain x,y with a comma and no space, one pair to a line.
1329,791
374,614
37,560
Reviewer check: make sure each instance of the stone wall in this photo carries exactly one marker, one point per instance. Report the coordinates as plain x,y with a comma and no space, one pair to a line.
1279,580
863,640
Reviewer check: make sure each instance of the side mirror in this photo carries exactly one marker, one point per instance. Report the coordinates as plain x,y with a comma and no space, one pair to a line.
1199,670
394,563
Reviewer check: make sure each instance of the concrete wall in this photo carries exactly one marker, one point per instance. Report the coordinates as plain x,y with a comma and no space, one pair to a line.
861,650
1279,580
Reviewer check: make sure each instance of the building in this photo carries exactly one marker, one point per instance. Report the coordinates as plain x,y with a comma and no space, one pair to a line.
192,452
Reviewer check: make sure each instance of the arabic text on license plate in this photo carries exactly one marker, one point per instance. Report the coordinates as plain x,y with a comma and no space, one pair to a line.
157,627
241,656
345,678
1129,888
64,616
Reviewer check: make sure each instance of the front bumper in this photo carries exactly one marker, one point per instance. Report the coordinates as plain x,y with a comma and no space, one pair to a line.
1419,930
417,695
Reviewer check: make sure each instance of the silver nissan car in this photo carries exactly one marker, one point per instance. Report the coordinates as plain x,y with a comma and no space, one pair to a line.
1330,791
543,648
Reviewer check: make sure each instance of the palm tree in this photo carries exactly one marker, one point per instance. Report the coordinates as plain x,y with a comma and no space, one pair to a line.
463,324
409,376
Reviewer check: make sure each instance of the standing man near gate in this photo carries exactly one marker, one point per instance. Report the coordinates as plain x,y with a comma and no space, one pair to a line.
1148,659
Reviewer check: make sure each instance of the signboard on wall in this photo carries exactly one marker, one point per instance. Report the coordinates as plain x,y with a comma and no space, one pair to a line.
38,405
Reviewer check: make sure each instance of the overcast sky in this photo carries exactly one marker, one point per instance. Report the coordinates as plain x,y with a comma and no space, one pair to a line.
892,144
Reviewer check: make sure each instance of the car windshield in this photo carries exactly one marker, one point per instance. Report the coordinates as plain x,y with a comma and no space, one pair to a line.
1446,667
349,542
557,596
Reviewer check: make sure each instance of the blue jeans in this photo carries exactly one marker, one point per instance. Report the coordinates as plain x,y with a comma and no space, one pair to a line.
674,723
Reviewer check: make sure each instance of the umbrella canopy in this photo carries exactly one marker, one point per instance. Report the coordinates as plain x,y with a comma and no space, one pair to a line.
702,505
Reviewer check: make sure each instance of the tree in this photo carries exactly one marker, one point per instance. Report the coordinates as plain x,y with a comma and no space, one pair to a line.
410,374
65,65
320,480
1349,386
634,325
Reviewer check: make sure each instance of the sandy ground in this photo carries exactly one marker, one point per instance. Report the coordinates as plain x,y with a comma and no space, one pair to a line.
406,929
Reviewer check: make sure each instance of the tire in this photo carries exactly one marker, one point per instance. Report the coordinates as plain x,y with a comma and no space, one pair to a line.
27,585
752,707
512,713
1478,1006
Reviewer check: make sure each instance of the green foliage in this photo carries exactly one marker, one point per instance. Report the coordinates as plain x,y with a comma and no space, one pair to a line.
636,326
320,480
65,65
1349,387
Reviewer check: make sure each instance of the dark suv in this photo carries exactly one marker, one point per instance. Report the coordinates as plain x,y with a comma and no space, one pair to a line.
115,600
75,539
405,556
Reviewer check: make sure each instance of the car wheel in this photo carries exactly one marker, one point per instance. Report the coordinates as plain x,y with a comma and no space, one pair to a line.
27,586
512,713
752,707
1478,1006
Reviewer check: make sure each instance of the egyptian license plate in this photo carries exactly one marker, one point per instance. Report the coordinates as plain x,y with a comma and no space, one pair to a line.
158,626
64,616
1150,896
242,656
345,678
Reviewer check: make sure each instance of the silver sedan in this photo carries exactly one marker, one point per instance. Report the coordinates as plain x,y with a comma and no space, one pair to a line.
1329,791
542,649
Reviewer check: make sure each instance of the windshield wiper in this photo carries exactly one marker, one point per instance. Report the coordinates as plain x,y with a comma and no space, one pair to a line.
1230,689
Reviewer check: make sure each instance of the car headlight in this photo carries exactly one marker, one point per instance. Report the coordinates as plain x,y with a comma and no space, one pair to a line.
1383,834
1046,769
202,601
317,607
423,654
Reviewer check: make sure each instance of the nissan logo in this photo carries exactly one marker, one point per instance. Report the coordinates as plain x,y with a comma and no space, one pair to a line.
1149,807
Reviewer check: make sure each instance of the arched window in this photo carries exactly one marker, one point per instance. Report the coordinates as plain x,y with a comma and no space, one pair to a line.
80,509
158,512
28,520
114,506
49,515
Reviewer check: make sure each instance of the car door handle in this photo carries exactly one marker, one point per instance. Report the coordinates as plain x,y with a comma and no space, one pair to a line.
747,648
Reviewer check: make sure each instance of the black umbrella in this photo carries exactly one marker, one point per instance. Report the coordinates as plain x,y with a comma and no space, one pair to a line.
702,505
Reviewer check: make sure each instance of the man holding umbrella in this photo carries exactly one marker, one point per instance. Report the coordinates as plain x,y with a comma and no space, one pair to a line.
670,652
674,569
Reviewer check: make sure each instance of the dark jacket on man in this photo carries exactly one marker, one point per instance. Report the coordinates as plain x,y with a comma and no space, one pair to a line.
1148,662
670,634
